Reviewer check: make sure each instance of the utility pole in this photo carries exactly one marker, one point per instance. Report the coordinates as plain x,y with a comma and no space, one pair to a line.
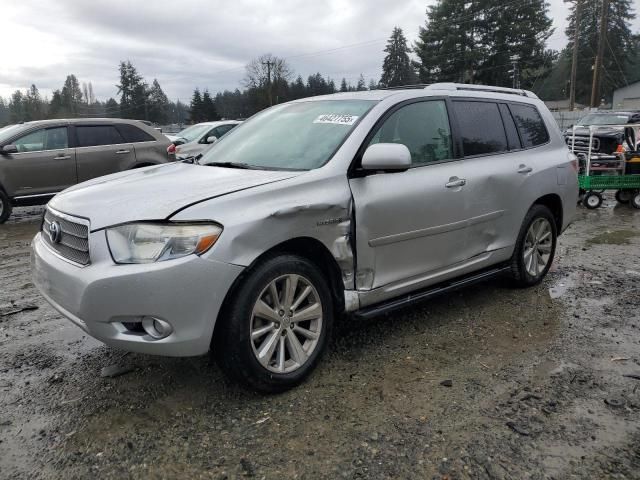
574,58
516,74
269,64
595,86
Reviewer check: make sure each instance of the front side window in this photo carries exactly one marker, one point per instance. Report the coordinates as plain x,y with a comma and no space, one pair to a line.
292,136
96,135
530,125
32,142
481,127
423,127
43,139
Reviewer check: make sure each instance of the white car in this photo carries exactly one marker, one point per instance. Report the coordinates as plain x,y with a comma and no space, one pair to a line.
197,138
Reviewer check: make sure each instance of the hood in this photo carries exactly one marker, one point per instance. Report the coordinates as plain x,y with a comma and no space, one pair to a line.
600,132
155,193
172,138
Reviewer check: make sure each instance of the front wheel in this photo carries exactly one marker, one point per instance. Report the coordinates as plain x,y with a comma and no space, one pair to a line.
635,199
276,326
535,247
5,207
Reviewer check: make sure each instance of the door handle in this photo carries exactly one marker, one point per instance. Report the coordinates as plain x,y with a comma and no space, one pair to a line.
120,152
456,182
62,157
524,169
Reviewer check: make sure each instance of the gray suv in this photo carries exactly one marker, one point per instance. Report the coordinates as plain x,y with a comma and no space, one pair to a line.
39,159
358,202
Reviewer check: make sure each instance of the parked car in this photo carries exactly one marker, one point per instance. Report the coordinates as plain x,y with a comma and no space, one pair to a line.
197,139
360,203
606,141
39,159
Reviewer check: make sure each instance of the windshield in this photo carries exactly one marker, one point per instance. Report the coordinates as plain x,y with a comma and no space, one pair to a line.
604,119
293,136
194,132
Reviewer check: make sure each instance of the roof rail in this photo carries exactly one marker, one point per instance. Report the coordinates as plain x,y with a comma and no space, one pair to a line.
406,87
480,88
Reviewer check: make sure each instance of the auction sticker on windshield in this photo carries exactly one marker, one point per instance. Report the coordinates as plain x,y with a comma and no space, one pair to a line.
336,119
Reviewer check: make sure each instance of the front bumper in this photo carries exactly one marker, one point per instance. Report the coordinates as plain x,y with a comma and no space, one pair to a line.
101,297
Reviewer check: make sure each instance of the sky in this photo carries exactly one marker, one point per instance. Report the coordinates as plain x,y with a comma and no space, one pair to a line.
187,43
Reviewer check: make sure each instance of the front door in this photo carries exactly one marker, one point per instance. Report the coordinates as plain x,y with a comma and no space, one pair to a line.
44,163
413,222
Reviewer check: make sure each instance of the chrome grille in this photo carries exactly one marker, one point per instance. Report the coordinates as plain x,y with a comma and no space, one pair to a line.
582,143
73,240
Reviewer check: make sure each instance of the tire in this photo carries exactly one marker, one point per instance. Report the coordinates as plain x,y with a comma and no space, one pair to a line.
529,243
592,200
624,196
5,207
252,309
635,199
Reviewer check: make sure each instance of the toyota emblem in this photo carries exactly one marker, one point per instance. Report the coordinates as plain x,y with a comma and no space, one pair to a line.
55,232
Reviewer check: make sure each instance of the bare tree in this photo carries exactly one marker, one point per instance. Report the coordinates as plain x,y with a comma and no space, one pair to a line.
264,71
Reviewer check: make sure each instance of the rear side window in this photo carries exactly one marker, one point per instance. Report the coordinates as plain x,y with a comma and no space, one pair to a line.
95,135
481,127
532,130
132,134
423,127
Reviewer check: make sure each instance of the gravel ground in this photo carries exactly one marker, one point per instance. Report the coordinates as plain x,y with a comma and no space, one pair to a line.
489,382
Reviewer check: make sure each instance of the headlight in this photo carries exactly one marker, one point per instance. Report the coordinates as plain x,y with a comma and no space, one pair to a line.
155,242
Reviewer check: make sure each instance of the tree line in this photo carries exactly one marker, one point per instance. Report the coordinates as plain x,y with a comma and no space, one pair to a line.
492,42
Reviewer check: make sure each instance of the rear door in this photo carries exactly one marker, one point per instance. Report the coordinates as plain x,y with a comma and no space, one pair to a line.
495,170
44,163
101,150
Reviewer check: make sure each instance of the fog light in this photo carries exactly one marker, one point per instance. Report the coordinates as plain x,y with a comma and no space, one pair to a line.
156,328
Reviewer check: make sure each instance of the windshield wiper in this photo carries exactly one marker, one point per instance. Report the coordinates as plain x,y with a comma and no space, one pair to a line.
244,166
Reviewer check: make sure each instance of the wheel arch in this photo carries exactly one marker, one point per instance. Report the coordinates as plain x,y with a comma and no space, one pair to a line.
554,203
309,248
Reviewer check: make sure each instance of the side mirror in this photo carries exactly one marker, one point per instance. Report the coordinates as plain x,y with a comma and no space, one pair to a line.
212,139
386,156
8,149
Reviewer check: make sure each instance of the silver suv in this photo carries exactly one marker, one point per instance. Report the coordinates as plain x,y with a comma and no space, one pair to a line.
39,159
357,202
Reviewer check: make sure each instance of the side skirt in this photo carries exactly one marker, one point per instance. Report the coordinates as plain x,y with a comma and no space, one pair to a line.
445,287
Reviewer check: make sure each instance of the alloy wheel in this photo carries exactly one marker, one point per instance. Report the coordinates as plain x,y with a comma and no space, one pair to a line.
537,246
286,323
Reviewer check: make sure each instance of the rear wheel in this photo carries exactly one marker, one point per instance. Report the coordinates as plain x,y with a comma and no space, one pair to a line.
535,247
635,199
276,326
5,207
623,196
592,200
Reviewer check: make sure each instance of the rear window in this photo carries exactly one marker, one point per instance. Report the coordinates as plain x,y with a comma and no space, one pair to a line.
133,134
533,131
95,135
481,127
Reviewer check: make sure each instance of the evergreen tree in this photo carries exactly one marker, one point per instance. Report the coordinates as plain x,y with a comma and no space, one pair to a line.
111,108
34,106
16,107
373,85
4,112
396,67
344,87
361,85
620,46
478,42
197,114
157,103
133,92
298,89
71,96
209,107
